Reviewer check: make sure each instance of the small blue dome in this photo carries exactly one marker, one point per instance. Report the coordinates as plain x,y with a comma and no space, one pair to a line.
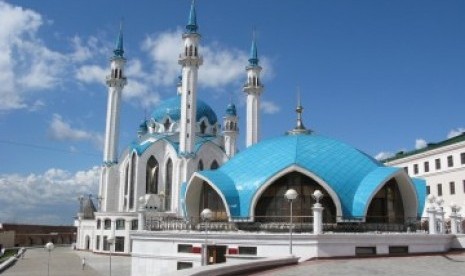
172,108
231,110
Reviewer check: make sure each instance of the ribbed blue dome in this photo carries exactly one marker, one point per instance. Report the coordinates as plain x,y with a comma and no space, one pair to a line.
231,110
172,108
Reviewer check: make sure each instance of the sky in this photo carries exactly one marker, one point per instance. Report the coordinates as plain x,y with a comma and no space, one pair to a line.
382,76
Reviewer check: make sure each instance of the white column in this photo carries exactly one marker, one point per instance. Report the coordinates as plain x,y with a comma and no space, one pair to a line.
431,211
453,223
440,219
141,219
127,228
317,218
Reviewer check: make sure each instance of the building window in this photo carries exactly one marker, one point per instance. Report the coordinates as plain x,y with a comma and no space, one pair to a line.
439,189
133,181
119,244
107,224
428,190
438,164
185,248
247,250
184,265
106,245
463,183
450,161
214,165
426,166
120,224
415,169
365,251
97,244
462,158
99,223
134,224
169,183
406,170
151,176
452,187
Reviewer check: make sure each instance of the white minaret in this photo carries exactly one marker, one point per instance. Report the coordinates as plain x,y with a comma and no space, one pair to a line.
230,130
253,87
190,61
116,82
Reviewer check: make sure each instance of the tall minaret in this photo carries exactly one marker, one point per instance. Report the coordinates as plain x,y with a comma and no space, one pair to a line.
116,82
253,87
190,61
230,130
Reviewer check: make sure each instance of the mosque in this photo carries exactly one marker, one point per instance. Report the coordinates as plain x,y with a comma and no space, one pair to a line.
153,196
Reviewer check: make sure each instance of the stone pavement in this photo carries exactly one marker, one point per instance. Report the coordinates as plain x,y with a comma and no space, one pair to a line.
66,262
451,264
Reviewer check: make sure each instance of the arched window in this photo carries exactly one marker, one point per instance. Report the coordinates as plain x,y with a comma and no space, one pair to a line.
133,181
190,51
195,51
185,51
126,185
272,203
167,125
214,165
203,127
120,224
151,176
210,199
386,206
168,184
200,166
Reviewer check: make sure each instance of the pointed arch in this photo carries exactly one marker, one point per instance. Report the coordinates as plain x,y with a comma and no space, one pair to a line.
168,183
200,166
126,185
214,165
203,127
151,176
133,180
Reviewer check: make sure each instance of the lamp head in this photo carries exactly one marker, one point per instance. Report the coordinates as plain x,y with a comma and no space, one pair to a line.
317,195
206,214
49,246
291,194
431,198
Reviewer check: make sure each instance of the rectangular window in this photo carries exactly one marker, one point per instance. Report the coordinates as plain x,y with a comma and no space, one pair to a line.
185,248
428,190
426,165
450,161
439,189
406,169
99,222
106,245
365,251
247,250
452,187
462,158
97,243
184,265
463,183
119,244
120,224
134,224
107,224
438,164
415,169
398,250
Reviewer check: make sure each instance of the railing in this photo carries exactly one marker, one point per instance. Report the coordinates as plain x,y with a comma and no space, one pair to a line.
301,224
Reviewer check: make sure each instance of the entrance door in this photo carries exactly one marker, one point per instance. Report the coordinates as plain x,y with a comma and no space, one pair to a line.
216,254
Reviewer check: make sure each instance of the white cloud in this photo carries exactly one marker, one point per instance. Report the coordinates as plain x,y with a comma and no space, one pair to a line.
62,131
36,197
269,107
91,74
383,155
420,144
455,132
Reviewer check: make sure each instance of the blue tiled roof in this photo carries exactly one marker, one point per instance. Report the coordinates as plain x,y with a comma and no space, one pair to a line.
172,108
231,110
341,166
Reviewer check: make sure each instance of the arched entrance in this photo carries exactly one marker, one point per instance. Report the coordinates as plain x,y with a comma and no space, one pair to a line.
87,246
272,204
387,205
210,199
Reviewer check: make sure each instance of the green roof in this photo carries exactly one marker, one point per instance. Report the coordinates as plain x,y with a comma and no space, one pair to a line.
431,146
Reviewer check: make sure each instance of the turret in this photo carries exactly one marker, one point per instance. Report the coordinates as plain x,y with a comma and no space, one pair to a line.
230,130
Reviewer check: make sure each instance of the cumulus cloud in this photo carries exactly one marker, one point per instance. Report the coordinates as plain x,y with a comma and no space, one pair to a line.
383,155
269,107
455,132
420,144
42,198
62,131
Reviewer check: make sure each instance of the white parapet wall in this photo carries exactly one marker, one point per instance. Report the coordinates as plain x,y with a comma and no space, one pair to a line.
167,251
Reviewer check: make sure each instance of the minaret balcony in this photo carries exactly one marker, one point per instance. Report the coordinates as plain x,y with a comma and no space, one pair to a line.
190,60
115,82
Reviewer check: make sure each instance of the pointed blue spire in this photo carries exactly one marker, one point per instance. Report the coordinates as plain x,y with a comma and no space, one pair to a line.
119,50
191,26
253,59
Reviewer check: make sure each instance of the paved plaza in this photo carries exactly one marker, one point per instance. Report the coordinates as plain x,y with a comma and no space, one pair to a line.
67,262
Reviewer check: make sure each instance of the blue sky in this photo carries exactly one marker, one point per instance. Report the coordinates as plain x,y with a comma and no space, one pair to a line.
382,76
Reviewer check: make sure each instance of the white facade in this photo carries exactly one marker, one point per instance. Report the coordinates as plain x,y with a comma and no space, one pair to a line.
442,165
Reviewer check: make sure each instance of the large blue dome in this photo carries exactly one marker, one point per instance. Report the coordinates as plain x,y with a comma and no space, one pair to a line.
172,108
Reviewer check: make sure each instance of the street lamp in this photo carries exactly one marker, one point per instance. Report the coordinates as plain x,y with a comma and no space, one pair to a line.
290,195
206,215
49,247
110,242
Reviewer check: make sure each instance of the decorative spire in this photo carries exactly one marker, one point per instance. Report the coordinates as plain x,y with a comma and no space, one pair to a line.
253,59
299,128
191,26
119,50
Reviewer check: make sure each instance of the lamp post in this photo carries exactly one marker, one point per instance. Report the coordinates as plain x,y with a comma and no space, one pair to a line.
110,241
206,215
49,247
290,195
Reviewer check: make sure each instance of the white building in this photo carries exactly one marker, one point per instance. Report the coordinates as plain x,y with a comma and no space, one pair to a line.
442,165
